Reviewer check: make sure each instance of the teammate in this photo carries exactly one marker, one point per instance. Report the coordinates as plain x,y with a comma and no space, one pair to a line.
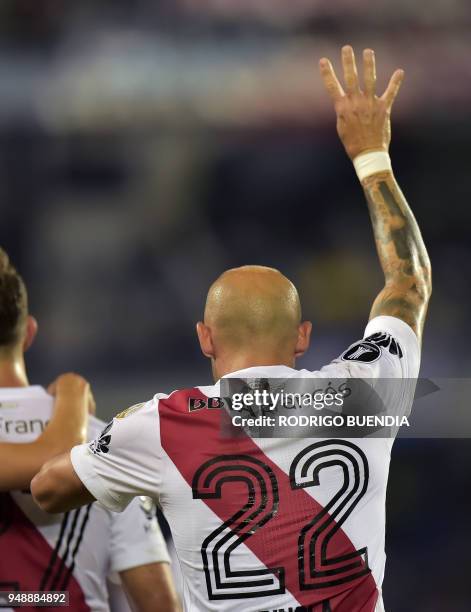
274,523
80,550
67,426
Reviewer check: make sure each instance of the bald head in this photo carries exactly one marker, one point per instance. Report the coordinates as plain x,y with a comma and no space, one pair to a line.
253,305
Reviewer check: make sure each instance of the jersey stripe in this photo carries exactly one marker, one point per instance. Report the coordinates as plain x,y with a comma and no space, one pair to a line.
191,439
63,557
53,557
66,580
24,553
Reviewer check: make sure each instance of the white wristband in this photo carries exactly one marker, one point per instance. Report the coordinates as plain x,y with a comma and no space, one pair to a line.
367,164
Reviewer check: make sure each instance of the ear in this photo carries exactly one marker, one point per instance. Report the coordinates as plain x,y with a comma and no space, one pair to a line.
30,333
206,341
304,338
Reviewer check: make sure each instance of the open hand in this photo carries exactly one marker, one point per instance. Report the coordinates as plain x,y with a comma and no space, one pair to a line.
363,118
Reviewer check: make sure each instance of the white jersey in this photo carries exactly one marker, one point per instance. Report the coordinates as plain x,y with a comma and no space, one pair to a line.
261,524
78,551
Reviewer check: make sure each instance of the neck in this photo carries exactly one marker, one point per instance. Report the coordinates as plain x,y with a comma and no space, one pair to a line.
13,372
223,366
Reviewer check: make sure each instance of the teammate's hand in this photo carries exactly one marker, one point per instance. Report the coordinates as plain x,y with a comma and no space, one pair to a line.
363,119
72,386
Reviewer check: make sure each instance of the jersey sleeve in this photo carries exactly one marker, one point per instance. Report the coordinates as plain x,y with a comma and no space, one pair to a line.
125,460
136,538
382,369
389,349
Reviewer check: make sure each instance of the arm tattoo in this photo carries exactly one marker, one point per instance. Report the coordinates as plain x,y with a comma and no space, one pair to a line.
401,251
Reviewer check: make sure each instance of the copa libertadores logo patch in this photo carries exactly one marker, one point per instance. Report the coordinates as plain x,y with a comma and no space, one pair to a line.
369,349
367,352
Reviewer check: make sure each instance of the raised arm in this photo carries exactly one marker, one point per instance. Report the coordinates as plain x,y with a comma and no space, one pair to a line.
68,427
363,125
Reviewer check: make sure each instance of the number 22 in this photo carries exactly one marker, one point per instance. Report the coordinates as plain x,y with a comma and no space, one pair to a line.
316,568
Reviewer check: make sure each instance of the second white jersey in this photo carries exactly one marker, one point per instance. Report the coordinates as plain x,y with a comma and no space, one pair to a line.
78,551
261,524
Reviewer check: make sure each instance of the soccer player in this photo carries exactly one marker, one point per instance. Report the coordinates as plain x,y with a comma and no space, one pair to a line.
270,523
77,551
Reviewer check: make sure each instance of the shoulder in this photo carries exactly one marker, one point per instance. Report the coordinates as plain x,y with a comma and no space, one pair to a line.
184,401
143,419
396,344
389,349
161,403
135,424
140,428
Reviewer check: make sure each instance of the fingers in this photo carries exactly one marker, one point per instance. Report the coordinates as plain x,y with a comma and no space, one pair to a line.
330,79
352,85
393,88
350,70
369,71
69,383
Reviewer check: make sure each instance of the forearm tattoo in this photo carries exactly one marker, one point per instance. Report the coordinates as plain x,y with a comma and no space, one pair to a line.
402,253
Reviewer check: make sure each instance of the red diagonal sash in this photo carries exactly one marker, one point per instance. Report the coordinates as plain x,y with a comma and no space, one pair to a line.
191,439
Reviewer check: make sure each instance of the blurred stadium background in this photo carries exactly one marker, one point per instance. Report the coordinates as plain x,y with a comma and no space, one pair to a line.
145,146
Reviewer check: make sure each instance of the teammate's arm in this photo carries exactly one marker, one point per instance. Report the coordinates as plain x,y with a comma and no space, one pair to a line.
139,555
150,588
363,124
68,425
